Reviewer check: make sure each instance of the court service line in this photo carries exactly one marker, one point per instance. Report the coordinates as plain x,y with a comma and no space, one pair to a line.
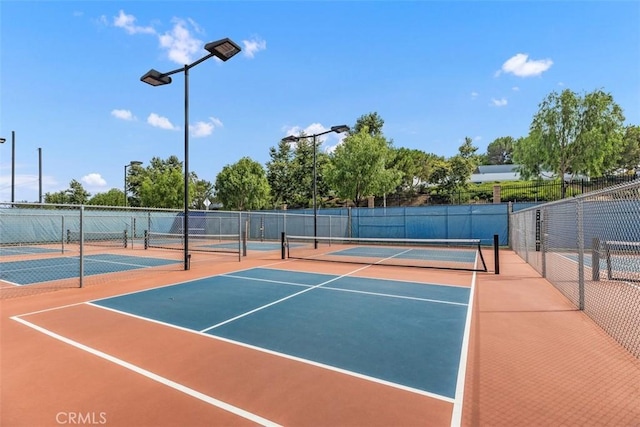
282,355
165,381
280,300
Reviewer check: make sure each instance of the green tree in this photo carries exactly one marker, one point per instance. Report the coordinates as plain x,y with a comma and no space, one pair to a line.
113,197
74,195
500,151
452,175
59,198
575,134
280,174
200,190
415,167
302,172
630,154
162,188
372,122
243,186
359,167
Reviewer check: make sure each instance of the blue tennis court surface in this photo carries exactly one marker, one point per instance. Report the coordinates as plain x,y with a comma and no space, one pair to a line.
406,333
47,269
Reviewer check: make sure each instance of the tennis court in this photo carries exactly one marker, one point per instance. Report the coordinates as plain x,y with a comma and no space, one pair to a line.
313,332
27,272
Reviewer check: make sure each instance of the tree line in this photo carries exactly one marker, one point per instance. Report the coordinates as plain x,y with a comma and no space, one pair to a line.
571,134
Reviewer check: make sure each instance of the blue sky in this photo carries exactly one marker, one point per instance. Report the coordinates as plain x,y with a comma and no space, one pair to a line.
436,72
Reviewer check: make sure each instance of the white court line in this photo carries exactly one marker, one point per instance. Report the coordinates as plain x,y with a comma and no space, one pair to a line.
380,294
280,300
456,416
283,355
162,380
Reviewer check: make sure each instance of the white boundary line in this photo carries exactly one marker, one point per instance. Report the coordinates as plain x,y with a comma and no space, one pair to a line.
458,403
164,381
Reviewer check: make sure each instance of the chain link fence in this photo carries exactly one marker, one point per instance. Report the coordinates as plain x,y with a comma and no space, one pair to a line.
588,247
45,247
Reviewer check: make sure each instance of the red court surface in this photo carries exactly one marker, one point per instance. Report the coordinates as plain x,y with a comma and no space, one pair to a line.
531,359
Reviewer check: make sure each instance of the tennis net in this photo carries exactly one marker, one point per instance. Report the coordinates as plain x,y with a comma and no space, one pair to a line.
226,243
622,259
453,254
116,239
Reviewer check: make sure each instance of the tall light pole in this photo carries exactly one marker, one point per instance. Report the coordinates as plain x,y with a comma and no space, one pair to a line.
131,164
291,138
222,49
2,141
39,175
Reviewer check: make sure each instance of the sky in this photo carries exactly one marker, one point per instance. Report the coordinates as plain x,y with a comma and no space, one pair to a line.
435,72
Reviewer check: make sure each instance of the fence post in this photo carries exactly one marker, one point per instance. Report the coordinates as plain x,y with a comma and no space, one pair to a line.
81,238
580,255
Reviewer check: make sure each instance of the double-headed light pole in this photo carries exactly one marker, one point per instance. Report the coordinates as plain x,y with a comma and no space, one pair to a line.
292,138
222,49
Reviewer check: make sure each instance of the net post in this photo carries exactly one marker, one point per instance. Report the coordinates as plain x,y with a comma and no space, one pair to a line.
595,259
126,238
283,245
244,243
607,254
496,253
146,239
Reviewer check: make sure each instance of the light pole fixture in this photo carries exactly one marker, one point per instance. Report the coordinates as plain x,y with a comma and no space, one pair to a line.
131,164
222,49
292,138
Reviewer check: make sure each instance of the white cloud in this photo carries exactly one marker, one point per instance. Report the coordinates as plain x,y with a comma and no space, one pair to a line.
123,114
251,47
515,89
179,43
160,122
94,180
520,65
498,102
474,95
128,23
202,129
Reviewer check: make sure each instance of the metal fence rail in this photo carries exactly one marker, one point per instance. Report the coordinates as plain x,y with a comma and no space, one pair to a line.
587,247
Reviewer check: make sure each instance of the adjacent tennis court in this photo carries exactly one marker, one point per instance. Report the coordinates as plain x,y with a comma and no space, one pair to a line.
40,270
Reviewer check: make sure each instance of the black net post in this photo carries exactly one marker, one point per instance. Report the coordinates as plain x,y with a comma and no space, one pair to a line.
283,245
146,239
496,253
